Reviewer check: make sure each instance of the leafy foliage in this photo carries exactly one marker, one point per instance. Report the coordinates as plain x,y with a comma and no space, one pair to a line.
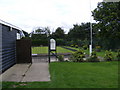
85,47
58,34
72,45
40,36
93,57
40,42
118,55
78,56
76,46
108,26
98,48
108,55
79,33
61,58
60,42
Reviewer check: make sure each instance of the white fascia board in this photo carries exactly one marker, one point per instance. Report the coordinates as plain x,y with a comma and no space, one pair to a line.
10,25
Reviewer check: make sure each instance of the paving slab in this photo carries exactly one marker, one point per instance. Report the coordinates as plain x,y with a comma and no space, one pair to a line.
37,72
15,73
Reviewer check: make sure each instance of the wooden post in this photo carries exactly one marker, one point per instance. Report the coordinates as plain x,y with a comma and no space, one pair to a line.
49,50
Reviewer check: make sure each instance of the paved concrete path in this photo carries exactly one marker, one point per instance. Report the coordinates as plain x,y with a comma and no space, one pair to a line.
37,72
27,73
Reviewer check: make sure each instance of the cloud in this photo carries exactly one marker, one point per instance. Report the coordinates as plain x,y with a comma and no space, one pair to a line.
28,14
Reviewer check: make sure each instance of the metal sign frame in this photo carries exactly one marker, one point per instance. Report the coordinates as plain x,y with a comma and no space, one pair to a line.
50,51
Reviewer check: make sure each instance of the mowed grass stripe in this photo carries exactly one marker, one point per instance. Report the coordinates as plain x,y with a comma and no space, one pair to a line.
44,50
39,50
85,75
63,50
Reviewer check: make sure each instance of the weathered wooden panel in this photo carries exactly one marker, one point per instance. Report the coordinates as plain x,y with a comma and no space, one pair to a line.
23,49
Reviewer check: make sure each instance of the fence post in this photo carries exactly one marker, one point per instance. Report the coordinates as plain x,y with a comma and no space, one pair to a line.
49,49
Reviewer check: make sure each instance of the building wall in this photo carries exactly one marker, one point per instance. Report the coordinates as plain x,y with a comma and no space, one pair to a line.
0,48
8,47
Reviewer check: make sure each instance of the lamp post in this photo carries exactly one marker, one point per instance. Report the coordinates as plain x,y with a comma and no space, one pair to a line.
90,46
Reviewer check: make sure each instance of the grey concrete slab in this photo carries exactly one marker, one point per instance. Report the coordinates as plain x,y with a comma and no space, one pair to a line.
37,72
39,59
15,73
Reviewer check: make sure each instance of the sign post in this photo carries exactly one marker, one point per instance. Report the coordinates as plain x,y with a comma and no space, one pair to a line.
52,47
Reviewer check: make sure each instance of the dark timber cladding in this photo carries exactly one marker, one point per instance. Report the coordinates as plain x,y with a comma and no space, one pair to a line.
23,51
9,37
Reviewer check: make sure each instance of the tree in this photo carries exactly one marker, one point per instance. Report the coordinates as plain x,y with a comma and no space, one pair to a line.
47,30
107,16
80,34
59,33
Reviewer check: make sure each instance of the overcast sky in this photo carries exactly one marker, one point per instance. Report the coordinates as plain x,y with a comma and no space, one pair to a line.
28,14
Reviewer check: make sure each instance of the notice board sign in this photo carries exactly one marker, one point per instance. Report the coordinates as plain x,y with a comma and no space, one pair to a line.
52,44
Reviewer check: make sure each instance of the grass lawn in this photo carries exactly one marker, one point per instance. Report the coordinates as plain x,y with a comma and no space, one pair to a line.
76,75
101,53
86,51
44,50
39,50
72,47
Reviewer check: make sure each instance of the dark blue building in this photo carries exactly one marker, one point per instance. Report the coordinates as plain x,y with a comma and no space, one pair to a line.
8,36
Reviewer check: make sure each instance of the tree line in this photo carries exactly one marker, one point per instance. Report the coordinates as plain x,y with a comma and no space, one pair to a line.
106,30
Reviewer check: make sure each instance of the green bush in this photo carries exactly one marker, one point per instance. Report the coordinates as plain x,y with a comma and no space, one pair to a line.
60,42
61,58
77,56
85,47
108,55
118,55
76,46
72,45
98,48
40,42
93,57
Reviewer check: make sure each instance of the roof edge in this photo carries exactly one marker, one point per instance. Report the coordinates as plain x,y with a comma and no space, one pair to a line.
10,25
